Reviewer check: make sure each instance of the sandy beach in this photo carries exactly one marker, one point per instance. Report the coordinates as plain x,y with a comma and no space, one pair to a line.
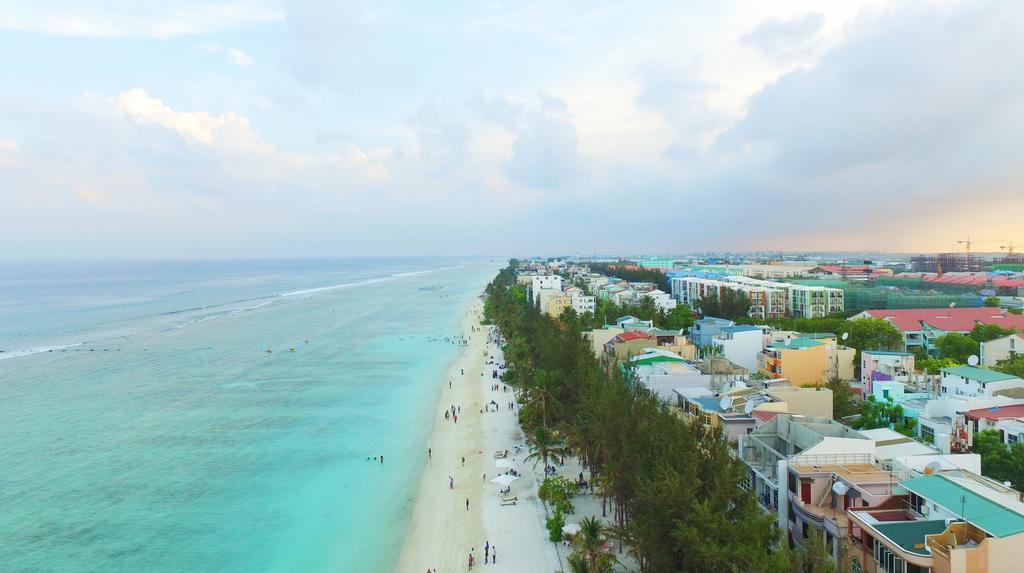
443,531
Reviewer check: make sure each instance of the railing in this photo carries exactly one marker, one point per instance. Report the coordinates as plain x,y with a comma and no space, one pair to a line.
831,459
956,535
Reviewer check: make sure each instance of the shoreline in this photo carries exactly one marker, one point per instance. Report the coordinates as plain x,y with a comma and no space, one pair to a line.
442,531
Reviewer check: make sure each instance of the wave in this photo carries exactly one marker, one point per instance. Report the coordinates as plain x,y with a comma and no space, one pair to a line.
365,282
36,350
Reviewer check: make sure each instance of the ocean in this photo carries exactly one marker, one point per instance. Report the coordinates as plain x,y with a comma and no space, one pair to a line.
144,427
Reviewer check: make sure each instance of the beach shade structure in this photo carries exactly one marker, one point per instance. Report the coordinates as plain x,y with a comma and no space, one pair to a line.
571,528
504,464
504,479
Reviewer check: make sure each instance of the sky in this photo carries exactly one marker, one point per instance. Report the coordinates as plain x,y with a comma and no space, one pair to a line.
210,128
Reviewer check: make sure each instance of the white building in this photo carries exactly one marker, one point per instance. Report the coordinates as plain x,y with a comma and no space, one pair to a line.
541,282
740,344
582,303
1000,349
976,382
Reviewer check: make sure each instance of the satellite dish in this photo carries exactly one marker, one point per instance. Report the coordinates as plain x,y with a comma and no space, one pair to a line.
739,384
725,402
952,304
749,407
840,488
846,335
972,360
788,341
932,467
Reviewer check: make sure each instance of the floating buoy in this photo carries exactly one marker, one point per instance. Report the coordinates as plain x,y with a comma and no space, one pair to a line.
269,351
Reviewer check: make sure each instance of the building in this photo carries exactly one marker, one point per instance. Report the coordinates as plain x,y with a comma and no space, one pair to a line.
849,272
1007,419
543,282
838,358
623,346
921,326
599,337
740,344
553,302
945,263
813,301
884,366
768,299
803,361
663,372
976,382
1001,349
704,330
941,420
582,303
951,521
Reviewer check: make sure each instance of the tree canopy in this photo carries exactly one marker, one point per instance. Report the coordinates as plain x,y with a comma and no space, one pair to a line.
674,484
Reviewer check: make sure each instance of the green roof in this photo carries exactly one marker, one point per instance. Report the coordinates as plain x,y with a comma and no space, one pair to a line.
796,343
991,516
910,534
979,374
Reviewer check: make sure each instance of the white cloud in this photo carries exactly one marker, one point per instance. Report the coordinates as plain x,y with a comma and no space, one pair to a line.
238,57
227,132
784,39
94,19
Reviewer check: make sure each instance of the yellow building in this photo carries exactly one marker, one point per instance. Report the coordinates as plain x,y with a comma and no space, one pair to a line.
803,361
553,302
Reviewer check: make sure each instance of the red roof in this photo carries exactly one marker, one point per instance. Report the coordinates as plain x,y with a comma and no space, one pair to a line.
765,415
949,319
997,412
627,336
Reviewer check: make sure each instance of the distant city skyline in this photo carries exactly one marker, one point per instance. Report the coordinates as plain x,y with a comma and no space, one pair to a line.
210,128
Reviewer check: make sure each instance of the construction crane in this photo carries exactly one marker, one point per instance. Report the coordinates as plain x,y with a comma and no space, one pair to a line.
968,242
1008,248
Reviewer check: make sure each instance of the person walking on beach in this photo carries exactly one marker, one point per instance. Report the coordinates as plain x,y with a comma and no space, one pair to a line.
494,555
467,504
487,551
451,482
463,461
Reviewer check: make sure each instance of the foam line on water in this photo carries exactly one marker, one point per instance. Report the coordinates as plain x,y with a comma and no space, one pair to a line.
36,350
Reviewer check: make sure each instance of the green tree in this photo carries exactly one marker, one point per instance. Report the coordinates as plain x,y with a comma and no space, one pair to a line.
842,398
872,334
679,317
588,543
543,445
987,332
991,301
727,303
875,413
1013,365
998,461
932,365
813,556
956,346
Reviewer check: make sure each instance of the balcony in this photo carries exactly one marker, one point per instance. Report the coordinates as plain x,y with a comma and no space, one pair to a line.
958,536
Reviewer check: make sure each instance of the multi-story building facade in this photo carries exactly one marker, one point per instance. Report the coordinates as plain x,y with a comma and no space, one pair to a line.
803,361
813,301
976,382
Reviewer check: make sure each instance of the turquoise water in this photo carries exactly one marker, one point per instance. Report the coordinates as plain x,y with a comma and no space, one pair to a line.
167,439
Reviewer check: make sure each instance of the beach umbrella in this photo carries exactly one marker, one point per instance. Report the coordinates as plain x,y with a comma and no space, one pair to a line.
504,480
571,528
504,464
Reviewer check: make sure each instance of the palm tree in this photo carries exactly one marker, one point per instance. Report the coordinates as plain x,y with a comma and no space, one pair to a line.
578,564
588,541
539,395
544,445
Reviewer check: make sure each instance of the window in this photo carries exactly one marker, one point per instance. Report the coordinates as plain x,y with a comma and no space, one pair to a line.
1012,438
927,434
